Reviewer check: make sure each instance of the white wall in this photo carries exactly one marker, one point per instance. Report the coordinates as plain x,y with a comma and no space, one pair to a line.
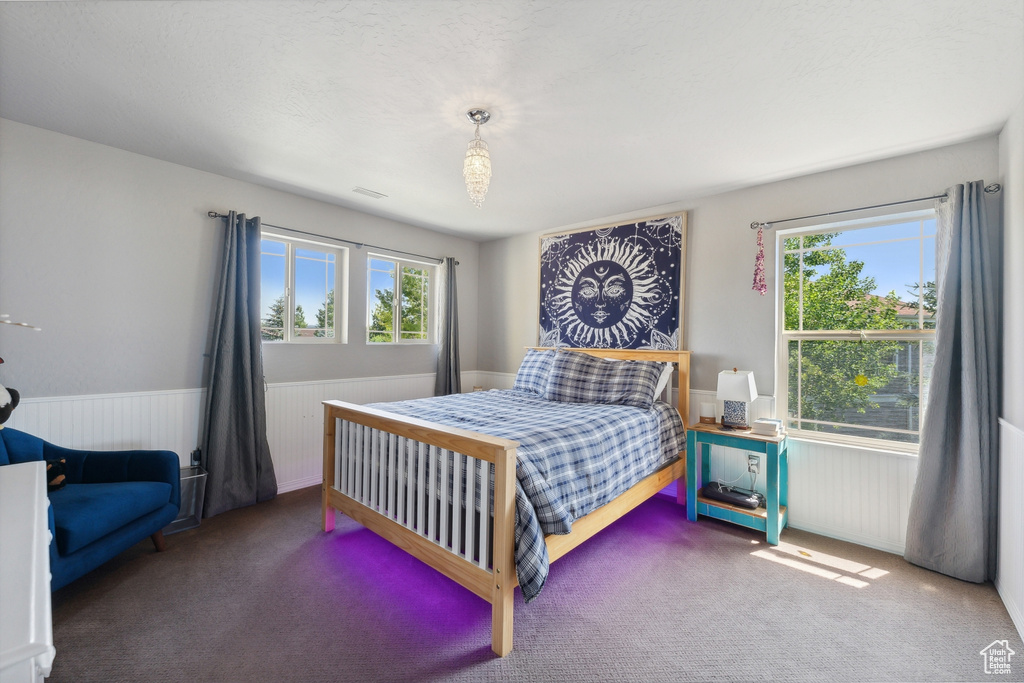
860,496
1010,571
112,254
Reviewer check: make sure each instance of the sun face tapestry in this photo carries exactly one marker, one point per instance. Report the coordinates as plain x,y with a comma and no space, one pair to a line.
615,287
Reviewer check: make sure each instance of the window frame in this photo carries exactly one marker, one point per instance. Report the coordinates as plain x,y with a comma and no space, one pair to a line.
783,336
340,289
432,299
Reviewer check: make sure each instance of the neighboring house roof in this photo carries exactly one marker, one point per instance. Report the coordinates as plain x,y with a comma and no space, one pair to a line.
903,309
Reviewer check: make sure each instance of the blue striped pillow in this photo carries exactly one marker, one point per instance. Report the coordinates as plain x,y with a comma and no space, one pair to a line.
579,378
534,370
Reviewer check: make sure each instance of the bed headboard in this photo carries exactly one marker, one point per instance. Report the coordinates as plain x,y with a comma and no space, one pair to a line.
680,358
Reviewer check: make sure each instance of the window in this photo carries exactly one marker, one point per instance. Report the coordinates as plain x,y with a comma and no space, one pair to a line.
302,296
857,328
398,290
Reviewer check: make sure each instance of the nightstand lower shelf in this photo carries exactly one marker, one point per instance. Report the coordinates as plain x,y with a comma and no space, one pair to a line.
752,519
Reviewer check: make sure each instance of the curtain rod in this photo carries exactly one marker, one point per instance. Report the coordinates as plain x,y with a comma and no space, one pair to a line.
994,187
357,245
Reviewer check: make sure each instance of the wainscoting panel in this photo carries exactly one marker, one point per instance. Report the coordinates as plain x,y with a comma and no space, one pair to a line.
172,420
852,494
295,419
1010,570
152,420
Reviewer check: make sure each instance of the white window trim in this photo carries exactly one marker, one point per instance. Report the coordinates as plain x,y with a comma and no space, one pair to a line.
432,301
782,337
340,290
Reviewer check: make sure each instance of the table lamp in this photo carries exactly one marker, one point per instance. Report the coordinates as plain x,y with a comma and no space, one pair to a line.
737,389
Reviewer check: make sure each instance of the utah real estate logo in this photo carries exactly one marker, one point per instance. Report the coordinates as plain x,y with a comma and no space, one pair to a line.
997,657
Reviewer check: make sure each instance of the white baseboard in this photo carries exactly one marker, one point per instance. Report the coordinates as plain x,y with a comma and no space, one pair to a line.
860,539
297,484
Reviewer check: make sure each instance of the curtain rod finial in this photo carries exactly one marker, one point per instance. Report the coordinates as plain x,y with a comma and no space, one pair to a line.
758,224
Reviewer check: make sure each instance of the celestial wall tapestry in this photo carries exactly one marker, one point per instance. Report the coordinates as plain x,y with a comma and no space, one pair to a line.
614,287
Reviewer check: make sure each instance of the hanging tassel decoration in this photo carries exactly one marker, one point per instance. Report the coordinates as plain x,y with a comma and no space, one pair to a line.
759,283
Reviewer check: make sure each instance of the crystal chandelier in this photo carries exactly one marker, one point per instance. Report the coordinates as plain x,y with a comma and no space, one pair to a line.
477,168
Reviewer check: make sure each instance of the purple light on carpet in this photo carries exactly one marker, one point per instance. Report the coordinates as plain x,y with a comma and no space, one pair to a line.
385,579
370,574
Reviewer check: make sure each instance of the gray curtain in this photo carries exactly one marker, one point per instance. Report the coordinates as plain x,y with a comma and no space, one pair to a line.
235,449
953,512
449,375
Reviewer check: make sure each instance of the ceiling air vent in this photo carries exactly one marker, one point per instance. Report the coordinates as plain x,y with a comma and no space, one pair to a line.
369,193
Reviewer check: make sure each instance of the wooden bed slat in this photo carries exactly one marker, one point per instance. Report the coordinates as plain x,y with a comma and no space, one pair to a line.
470,506
458,514
485,519
421,455
432,495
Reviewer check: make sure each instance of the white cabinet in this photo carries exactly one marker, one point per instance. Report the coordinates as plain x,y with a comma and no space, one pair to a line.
26,630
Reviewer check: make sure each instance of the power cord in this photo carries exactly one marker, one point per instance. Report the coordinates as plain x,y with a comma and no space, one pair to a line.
753,486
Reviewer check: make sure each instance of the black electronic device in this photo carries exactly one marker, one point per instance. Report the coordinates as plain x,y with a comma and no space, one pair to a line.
728,494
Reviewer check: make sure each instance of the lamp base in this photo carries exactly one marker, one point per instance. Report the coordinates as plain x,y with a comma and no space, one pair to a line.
735,416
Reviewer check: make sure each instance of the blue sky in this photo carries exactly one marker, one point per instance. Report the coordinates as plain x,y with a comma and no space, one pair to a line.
314,276
893,265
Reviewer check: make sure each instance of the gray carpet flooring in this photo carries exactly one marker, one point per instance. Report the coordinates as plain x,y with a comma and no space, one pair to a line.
261,594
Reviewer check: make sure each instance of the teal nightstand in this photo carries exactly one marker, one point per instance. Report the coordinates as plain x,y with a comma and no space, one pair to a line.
771,520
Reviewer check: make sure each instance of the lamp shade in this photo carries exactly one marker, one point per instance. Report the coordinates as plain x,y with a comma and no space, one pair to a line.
736,385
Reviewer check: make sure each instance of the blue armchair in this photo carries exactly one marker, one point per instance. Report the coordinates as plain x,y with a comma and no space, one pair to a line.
112,500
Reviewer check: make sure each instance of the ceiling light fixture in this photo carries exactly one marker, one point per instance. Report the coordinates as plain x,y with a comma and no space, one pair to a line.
477,168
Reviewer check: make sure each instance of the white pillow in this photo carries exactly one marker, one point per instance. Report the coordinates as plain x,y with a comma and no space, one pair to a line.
663,381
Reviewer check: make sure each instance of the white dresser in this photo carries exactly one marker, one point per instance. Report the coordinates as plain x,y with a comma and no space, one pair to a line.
26,629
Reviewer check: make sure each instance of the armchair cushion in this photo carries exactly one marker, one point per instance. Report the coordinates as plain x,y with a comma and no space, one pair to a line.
83,513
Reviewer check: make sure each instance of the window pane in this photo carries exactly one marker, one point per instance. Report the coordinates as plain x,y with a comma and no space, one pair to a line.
928,294
878,278
892,267
381,301
272,289
314,293
415,299
859,388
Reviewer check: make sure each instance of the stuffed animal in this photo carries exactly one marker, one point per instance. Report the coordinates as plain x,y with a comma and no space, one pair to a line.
9,399
55,474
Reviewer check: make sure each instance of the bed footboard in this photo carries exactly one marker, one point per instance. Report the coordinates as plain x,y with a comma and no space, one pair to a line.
426,488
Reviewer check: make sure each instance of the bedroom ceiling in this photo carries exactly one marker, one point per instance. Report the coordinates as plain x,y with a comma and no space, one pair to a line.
599,107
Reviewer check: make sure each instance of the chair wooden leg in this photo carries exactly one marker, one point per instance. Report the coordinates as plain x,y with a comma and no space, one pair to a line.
158,541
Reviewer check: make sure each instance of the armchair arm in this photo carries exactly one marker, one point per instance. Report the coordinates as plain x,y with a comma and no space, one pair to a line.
94,467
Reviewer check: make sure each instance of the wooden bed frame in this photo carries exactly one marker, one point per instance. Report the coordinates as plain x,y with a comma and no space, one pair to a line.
418,522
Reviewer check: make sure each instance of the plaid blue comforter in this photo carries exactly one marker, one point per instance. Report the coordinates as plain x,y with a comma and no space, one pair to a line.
572,459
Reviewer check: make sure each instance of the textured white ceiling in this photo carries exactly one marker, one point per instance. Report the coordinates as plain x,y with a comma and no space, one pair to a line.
600,107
